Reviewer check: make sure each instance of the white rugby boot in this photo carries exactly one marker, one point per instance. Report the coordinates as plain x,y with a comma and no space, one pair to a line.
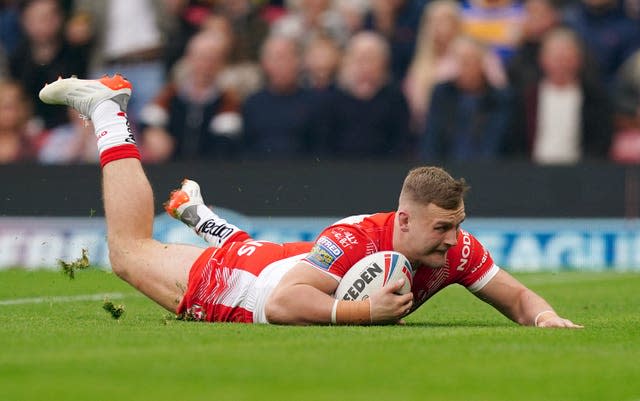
85,94
186,204
182,199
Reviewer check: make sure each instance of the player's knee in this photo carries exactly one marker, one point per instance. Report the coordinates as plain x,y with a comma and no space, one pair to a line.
118,264
119,258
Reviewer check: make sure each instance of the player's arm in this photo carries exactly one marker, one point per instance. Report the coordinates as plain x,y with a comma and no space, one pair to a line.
520,304
303,297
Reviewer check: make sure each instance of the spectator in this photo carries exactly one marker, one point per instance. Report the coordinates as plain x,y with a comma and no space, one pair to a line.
126,36
469,118
540,17
10,32
239,18
280,119
247,27
321,62
608,33
632,9
494,23
368,116
397,21
627,93
187,18
44,55
192,117
18,134
564,117
240,75
352,13
71,143
440,25
626,142
309,19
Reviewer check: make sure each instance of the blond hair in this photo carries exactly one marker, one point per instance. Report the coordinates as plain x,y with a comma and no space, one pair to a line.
429,184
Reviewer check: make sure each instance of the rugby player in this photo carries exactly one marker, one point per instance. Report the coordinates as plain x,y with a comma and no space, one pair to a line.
243,280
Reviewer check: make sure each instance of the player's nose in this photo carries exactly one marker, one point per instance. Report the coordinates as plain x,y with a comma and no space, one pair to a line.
451,238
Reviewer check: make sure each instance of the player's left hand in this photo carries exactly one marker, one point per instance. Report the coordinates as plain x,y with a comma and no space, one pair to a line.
558,322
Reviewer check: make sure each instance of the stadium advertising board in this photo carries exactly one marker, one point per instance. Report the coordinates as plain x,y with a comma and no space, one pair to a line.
516,244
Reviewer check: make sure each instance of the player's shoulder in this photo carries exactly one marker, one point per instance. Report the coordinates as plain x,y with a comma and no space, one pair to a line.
366,222
366,225
365,219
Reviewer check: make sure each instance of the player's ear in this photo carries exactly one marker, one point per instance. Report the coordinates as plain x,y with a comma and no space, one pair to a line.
403,220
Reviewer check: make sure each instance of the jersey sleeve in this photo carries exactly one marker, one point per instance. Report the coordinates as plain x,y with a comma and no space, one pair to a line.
338,248
473,263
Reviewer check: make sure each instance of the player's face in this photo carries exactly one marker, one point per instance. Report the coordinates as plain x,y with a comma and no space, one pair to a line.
431,231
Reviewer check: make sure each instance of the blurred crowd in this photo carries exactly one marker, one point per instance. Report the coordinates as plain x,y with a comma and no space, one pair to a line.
550,81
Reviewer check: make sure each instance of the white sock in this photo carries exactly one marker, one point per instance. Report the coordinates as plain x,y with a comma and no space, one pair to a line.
111,126
209,226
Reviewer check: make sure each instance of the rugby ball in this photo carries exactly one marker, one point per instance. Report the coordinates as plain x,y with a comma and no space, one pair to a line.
373,272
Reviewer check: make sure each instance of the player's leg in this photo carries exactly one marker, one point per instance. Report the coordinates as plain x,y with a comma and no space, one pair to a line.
186,204
158,270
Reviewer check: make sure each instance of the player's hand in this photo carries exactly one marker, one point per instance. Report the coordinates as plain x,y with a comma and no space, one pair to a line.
558,322
387,306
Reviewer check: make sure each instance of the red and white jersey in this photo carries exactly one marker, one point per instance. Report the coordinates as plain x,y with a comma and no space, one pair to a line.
340,246
232,283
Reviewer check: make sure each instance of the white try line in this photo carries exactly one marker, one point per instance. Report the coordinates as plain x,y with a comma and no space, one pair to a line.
68,298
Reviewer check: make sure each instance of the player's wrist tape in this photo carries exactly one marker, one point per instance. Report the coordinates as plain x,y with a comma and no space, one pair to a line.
351,312
334,310
535,320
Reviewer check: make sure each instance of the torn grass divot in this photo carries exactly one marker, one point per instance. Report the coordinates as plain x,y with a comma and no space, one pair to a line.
116,311
70,268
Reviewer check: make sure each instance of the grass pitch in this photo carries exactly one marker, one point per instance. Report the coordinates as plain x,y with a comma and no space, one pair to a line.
58,343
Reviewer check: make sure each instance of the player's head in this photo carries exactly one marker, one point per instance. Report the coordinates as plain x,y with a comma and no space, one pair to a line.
433,185
430,210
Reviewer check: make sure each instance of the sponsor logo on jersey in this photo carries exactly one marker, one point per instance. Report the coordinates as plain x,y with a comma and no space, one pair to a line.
345,238
324,253
329,245
465,252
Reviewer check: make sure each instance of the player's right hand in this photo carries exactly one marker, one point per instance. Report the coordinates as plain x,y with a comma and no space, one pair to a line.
389,307
558,322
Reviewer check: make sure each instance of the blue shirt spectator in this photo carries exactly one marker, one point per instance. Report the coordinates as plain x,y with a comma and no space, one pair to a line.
369,128
468,118
279,119
279,125
608,33
368,116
